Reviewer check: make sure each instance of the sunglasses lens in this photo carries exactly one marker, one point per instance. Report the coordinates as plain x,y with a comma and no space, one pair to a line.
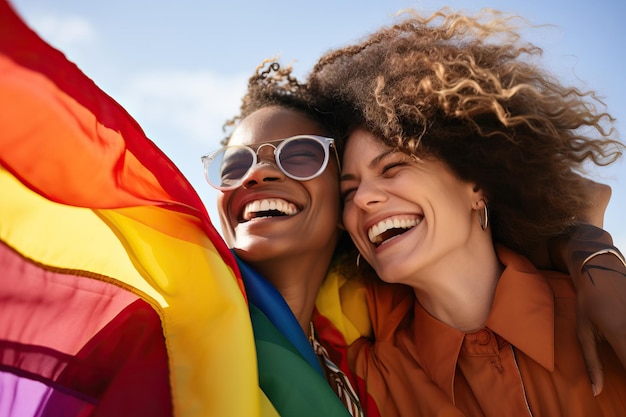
227,167
302,158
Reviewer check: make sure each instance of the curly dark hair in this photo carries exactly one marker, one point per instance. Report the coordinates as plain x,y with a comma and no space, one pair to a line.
273,85
466,90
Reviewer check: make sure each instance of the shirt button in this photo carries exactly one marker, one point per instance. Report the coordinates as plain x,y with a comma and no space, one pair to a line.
483,337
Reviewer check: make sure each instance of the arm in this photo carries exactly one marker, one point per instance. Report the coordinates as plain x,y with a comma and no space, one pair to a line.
558,253
600,282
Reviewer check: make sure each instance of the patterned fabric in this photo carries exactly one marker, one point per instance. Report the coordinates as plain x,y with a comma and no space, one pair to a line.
338,380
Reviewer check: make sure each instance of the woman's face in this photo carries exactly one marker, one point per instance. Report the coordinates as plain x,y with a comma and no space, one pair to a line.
404,215
308,212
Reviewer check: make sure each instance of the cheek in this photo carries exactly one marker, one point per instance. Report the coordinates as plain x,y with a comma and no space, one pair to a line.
351,224
350,219
326,193
222,209
329,212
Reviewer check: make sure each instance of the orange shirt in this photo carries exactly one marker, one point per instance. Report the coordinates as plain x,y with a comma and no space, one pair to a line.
526,361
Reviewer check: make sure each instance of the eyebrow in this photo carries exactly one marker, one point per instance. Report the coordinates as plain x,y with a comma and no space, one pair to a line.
371,165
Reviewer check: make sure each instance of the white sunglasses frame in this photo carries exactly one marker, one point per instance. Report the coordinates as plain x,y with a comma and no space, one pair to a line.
326,143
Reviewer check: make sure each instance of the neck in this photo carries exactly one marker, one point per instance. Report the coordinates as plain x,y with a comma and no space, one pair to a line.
298,279
464,298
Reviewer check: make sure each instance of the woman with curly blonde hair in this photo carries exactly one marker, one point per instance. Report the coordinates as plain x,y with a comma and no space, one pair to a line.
461,157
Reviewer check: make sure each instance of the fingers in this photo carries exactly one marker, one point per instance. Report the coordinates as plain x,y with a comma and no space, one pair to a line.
601,310
589,344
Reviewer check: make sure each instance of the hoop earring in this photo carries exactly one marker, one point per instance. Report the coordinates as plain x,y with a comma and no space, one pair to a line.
484,219
358,260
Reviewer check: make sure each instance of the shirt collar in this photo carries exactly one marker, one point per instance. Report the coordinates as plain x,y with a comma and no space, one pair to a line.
522,313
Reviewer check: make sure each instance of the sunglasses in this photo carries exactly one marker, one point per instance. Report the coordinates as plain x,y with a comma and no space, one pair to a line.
301,158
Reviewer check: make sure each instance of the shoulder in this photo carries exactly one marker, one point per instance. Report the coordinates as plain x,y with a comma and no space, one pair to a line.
363,307
388,306
560,284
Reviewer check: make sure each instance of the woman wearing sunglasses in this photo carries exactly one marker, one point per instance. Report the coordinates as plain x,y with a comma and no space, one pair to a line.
458,162
280,213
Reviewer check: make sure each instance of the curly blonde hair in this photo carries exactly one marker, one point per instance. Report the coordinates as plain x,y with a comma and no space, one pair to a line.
466,90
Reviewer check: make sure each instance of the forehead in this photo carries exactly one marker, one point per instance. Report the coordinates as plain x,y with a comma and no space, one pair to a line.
361,142
273,123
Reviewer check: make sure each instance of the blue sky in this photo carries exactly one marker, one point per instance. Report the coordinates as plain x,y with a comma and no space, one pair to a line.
180,68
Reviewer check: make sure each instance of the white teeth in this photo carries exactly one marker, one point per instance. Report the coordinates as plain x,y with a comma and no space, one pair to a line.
375,232
267,204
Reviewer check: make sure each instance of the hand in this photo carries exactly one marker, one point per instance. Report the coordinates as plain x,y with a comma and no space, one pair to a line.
601,312
601,293
599,194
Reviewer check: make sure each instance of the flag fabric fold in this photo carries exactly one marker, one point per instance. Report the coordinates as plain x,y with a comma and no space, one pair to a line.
290,373
117,294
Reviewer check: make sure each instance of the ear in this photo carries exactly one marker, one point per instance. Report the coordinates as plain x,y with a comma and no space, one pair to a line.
479,204
478,198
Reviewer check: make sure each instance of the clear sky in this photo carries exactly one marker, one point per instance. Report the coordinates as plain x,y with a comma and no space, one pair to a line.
180,67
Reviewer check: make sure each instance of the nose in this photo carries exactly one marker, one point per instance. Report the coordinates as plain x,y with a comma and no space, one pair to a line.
265,170
369,195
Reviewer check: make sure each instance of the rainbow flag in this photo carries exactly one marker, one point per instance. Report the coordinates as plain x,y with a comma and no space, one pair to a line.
117,295
290,373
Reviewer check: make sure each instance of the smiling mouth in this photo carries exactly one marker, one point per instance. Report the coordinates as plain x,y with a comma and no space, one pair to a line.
388,229
268,207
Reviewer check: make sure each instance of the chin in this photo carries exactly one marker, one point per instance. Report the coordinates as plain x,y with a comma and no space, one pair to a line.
392,275
255,248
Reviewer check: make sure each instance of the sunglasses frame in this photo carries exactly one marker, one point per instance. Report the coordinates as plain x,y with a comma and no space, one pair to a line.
326,143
